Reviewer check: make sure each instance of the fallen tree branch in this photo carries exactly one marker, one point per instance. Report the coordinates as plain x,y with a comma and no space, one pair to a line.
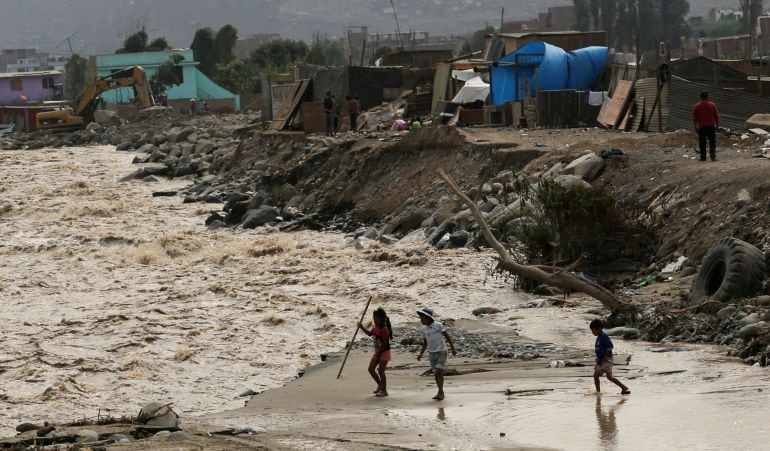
562,278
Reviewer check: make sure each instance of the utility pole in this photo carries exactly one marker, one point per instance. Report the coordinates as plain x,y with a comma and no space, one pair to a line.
502,19
398,28
638,39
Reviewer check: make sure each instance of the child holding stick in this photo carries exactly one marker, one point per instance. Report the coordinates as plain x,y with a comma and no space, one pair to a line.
382,332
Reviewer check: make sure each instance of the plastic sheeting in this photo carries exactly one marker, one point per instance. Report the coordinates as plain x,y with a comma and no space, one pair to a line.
557,70
474,89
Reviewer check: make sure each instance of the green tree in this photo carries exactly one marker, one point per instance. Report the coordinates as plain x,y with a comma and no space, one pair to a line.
478,40
224,42
135,43
158,45
279,55
583,14
382,51
75,76
316,55
672,23
169,74
204,50
238,76
661,20
724,28
751,10
334,54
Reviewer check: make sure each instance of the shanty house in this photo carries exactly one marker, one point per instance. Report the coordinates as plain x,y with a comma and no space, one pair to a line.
19,88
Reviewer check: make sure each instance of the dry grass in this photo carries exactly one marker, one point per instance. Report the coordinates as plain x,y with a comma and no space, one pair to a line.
78,188
149,255
317,310
274,320
5,208
183,355
102,209
180,244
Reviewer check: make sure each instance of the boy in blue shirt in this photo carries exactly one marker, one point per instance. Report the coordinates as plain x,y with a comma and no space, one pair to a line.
603,348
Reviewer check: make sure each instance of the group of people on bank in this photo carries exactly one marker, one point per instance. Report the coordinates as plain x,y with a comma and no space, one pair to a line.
333,112
435,340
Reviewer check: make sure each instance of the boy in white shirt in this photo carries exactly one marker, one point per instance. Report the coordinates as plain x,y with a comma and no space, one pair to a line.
434,334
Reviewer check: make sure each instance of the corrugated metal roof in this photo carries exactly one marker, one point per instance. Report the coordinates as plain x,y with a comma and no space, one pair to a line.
29,74
734,107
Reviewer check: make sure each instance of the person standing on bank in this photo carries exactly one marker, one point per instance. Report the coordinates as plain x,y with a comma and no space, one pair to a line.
705,115
434,335
329,111
354,109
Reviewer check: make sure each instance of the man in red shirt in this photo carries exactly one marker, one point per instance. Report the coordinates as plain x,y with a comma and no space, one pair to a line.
706,118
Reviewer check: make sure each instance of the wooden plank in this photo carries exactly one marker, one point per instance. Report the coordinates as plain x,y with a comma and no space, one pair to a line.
290,106
613,113
624,123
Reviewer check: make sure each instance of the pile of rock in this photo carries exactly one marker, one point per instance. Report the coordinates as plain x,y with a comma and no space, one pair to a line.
179,151
470,345
743,326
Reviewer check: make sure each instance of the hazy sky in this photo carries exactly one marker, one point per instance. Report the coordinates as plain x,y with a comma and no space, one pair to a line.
101,25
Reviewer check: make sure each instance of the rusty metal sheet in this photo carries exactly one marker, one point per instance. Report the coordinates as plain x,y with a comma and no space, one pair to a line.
614,110
647,89
734,107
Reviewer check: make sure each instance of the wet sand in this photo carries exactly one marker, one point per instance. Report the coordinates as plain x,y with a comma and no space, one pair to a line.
691,399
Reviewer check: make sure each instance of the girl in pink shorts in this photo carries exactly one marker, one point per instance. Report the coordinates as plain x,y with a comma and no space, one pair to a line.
382,333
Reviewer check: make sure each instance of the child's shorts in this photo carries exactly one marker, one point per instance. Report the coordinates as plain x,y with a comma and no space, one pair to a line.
603,367
437,360
384,356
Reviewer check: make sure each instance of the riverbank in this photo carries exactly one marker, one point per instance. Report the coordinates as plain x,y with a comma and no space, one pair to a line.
116,298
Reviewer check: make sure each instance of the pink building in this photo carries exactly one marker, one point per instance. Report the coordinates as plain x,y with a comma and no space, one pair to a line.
20,88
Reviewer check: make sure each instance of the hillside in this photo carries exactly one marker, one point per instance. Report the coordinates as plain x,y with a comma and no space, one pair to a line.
102,24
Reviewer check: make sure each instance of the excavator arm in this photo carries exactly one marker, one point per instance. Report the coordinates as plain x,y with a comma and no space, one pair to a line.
83,113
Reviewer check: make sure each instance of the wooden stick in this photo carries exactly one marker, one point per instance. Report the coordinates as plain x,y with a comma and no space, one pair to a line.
560,278
354,337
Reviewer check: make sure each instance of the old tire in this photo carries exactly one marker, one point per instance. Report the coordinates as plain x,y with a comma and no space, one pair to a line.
731,269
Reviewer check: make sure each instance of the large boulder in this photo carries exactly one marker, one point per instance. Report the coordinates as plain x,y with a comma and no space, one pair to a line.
572,181
159,415
107,118
259,217
587,167
759,121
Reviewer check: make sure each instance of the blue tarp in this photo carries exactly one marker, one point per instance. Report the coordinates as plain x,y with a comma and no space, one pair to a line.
579,70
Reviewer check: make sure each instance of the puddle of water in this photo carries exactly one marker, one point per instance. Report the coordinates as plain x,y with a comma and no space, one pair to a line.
644,420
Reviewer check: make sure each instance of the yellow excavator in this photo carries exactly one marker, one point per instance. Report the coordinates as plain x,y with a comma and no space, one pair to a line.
83,113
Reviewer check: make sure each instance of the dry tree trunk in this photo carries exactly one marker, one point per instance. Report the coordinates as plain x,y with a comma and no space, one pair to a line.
561,278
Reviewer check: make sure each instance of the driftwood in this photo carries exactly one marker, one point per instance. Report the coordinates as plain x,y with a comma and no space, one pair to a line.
556,277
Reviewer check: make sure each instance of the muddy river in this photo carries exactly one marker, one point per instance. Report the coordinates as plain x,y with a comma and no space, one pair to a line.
112,298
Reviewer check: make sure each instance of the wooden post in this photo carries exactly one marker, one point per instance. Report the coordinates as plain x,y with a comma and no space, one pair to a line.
353,340
638,39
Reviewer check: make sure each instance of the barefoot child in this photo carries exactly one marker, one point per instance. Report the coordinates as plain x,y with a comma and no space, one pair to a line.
604,357
434,334
382,332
